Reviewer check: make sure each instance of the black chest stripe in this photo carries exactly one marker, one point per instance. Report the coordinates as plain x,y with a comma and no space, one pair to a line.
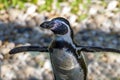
60,45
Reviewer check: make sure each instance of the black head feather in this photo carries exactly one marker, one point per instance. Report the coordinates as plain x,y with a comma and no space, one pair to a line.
57,27
62,19
67,22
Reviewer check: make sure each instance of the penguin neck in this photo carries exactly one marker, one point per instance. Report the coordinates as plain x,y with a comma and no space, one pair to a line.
66,38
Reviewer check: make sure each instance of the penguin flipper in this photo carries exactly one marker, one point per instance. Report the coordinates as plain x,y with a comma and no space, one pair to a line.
98,49
28,48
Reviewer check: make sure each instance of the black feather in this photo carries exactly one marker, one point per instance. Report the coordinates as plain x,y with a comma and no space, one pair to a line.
28,48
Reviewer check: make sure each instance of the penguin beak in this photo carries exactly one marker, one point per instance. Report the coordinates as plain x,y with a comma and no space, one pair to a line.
57,27
47,24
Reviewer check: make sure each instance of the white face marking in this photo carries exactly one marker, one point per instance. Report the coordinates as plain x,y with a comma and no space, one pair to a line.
66,37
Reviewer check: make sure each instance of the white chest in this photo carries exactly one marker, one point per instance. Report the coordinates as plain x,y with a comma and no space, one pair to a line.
64,59
65,65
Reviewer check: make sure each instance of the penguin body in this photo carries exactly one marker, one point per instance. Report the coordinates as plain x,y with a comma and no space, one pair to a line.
64,62
67,59
63,52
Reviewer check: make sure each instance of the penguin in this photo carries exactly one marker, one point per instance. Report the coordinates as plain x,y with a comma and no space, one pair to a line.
68,61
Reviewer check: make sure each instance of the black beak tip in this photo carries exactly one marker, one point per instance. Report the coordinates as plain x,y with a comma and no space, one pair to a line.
47,24
42,25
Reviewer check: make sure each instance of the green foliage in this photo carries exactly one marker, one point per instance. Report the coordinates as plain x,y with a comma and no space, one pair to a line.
47,6
4,4
11,3
34,1
76,10
75,5
82,17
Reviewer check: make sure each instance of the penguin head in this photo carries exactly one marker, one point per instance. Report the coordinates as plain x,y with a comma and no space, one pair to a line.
59,26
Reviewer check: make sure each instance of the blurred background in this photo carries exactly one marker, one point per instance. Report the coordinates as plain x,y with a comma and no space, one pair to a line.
95,23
